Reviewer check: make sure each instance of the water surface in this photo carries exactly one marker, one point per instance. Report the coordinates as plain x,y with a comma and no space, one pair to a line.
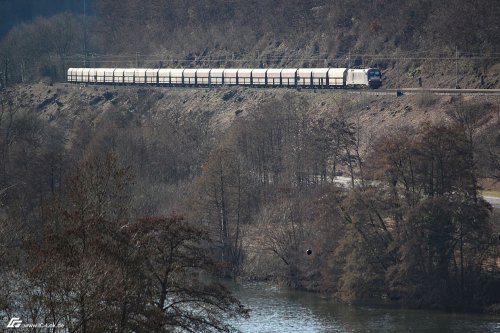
277,310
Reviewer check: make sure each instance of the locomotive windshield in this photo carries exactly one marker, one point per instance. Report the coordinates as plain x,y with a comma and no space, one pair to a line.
374,73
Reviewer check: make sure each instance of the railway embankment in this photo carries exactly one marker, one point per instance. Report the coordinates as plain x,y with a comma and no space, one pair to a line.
377,111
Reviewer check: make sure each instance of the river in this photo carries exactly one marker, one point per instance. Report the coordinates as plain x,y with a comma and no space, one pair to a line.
275,310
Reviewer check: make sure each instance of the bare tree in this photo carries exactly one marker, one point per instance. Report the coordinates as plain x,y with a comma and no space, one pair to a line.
223,203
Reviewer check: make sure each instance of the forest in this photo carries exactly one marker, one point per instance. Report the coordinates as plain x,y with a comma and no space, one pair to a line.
125,209
426,37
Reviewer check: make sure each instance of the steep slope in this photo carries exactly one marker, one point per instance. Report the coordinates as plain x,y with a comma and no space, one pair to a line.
410,40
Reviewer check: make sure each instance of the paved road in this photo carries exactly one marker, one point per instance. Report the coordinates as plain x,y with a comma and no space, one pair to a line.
346,183
494,201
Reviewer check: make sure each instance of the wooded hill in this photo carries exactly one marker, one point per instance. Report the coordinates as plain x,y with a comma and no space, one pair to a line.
423,35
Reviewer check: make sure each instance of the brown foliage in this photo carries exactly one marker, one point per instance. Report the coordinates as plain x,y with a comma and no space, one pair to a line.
93,269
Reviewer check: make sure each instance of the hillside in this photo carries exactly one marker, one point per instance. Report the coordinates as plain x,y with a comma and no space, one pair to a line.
23,11
410,40
65,104
213,112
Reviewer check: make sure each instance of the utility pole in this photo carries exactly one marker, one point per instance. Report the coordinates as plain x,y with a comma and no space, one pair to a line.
398,88
22,71
84,34
456,67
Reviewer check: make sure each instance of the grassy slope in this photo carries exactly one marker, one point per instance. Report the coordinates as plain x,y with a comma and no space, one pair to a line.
65,104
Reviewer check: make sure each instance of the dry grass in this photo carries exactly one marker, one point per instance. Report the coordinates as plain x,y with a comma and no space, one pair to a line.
491,193
426,99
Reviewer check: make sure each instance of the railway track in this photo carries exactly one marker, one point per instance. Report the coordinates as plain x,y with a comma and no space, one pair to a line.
381,91
444,91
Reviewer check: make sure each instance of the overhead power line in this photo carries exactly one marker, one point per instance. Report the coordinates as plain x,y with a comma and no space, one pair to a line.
109,58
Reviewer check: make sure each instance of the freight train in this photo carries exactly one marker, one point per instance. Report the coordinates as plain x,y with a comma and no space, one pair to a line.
327,78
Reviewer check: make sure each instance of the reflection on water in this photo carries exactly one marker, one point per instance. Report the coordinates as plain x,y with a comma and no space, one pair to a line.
280,311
